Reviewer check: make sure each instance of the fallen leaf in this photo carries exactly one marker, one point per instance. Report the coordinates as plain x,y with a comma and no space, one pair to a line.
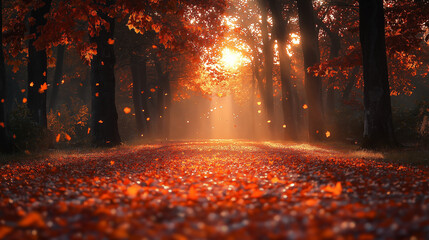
334,190
32,219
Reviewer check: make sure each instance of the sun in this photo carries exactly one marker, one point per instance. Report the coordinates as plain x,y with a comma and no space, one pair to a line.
231,59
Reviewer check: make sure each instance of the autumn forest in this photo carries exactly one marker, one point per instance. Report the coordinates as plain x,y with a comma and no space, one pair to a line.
215,119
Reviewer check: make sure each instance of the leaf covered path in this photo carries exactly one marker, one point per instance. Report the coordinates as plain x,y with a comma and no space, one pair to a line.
215,190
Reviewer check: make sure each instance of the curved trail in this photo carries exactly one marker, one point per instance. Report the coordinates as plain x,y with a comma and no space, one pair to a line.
214,190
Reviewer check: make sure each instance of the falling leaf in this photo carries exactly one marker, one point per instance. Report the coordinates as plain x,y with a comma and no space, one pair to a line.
127,110
111,41
68,138
24,100
57,139
43,87
304,106
2,124
328,134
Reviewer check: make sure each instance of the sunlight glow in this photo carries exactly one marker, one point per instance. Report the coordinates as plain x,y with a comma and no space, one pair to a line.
231,59
295,38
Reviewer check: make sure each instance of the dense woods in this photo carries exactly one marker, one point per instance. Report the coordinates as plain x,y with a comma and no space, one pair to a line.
215,119
118,71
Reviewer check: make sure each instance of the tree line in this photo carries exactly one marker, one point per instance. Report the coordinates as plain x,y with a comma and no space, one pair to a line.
161,31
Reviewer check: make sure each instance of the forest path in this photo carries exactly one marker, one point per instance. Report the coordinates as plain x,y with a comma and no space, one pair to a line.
213,189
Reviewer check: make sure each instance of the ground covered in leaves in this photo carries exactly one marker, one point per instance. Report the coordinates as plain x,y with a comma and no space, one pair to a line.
214,190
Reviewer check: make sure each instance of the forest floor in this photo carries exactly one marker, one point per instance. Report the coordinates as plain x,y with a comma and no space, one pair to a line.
215,190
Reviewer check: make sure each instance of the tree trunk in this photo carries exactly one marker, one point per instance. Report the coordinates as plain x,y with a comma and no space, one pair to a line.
352,81
313,84
5,144
288,102
167,95
164,98
58,75
268,62
251,131
378,126
281,33
334,50
259,78
37,68
83,90
139,74
104,117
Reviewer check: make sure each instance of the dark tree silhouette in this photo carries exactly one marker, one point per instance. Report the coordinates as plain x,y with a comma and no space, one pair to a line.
313,84
334,51
164,97
268,63
37,67
57,76
104,117
281,32
378,126
140,93
5,145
